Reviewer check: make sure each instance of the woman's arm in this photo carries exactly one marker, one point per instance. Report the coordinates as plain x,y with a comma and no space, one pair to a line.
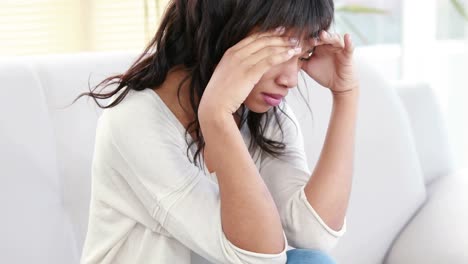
249,216
332,66
329,187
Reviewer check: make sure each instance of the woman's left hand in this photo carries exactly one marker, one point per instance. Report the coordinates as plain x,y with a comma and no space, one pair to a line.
331,64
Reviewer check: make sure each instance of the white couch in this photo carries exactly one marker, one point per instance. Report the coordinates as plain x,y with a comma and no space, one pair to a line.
408,203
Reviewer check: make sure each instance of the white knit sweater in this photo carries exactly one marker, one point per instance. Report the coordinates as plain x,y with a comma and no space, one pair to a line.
150,204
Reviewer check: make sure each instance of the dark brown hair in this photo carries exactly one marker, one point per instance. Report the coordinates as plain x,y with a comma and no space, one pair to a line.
196,33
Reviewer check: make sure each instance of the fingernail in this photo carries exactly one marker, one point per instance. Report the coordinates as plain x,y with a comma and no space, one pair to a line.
293,40
294,51
279,30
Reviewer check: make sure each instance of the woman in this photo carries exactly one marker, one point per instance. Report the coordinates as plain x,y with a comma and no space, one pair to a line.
183,105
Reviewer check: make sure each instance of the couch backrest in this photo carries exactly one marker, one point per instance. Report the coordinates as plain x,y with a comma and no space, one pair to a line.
34,226
63,78
388,184
429,127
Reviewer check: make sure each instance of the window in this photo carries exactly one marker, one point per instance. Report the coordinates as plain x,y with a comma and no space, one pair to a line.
365,21
62,26
39,26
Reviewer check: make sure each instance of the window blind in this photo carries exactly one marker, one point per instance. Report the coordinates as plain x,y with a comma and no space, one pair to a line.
62,26
40,26
118,25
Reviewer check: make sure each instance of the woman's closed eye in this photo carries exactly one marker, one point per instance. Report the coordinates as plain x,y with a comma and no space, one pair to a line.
310,53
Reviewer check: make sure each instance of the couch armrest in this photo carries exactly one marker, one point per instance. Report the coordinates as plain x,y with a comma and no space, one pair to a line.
429,128
438,232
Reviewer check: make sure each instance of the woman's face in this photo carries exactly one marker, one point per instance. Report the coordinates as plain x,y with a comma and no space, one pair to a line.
277,81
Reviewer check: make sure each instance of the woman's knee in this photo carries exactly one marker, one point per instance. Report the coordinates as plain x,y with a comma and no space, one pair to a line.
308,256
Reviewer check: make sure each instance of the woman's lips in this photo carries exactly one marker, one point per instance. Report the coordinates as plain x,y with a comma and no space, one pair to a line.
276,96
272,99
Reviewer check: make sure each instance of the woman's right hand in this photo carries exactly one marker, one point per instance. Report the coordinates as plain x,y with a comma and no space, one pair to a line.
242,66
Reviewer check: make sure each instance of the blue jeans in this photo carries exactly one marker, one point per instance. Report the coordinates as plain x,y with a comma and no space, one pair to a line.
308,256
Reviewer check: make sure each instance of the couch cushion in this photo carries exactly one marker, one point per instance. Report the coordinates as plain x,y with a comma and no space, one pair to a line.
34,225
63,78
388,185
429,128
439,232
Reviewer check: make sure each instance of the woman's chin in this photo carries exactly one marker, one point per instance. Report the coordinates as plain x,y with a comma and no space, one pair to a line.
259,107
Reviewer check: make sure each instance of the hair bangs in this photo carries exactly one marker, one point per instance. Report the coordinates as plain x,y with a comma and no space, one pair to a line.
303,17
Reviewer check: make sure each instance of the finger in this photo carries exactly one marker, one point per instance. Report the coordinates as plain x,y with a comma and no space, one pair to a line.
349,45
264,42
336,40
315,43
331,38
246,41
268,52
319,41
257,70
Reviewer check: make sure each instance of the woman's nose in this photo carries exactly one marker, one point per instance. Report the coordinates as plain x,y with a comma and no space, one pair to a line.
288,74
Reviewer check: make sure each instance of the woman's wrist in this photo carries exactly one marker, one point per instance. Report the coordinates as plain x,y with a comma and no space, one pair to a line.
351,92
214,116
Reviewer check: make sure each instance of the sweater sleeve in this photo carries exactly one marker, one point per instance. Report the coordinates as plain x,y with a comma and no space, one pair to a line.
178,195
286,178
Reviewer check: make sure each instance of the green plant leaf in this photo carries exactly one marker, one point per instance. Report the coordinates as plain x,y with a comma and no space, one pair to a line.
360,9
460,9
